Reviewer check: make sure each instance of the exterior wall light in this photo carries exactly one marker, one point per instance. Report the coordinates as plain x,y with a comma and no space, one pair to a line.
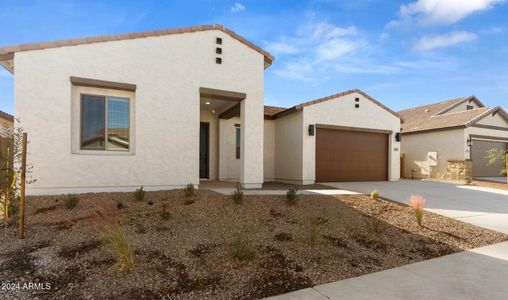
311,130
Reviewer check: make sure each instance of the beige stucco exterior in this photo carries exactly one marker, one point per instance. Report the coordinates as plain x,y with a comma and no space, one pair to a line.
447,144
295,149
451,145
168,72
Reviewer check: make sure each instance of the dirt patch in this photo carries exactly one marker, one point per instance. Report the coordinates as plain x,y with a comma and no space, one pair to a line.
82,249
189,256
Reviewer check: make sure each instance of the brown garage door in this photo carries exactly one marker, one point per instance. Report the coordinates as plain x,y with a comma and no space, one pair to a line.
351,155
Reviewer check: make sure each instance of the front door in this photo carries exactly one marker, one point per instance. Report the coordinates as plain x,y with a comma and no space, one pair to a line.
204,153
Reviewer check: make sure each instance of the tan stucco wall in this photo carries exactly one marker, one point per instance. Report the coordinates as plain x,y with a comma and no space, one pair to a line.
288,148
496,120
449,145
342,112
229,165
269,150
168,71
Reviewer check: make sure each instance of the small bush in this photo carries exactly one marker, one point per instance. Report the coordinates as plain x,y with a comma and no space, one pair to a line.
237,195
189,190
165,215
71,201
417,203
376,225
374,195
312,235
242,249
113,235
292,196
139,194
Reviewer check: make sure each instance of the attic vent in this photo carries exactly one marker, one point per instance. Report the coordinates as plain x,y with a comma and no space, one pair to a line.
218,50
357,99
218,41
469,107
218,60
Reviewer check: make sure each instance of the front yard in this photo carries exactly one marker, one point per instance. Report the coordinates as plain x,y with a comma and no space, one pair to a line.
318,240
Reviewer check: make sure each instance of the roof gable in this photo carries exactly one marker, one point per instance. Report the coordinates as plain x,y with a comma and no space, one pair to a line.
301,106
7,52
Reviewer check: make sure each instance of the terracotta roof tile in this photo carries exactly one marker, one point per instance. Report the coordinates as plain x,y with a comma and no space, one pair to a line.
134,35
426,111
6,116
448,120
272,110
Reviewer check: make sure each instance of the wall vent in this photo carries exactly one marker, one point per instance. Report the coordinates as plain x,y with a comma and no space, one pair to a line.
218,60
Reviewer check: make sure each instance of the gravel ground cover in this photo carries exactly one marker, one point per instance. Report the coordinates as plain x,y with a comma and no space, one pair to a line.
320,239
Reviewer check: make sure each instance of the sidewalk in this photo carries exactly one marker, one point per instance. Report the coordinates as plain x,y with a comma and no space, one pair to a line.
480,273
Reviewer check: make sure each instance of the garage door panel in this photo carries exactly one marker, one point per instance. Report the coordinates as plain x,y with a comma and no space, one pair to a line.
351,155
480,163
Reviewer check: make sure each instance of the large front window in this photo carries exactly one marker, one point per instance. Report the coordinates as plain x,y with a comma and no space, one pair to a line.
104,123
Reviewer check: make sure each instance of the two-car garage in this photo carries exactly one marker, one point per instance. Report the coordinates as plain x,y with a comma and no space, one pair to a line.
343,155
349,136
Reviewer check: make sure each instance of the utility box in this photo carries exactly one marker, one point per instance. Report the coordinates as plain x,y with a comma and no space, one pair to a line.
432,159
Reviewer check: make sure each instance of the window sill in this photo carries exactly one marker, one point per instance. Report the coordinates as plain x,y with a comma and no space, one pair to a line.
103,153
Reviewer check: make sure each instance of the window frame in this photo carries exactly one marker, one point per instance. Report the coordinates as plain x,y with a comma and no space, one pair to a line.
76,119
238,141
106,121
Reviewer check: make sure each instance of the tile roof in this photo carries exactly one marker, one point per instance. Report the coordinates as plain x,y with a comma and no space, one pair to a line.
436,116
448,120
272,110
8,51
6,116
426,111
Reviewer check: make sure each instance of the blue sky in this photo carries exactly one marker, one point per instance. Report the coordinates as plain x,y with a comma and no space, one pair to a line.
403,53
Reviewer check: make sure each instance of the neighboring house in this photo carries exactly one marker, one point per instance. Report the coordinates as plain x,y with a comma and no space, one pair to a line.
449,139
170,107
6,122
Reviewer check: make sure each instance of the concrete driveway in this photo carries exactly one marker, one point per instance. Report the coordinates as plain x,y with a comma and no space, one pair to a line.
485,207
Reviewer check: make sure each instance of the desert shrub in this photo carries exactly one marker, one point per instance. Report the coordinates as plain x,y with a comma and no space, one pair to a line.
242,249
165,215
417,203
71,201
237,195
374,194
312,235
376,225
292,196
114,235
139,194
189,190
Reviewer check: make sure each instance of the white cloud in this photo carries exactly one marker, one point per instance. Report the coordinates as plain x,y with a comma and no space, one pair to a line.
314,47
427,43
336,48
326,30
237,7
281,48
431,12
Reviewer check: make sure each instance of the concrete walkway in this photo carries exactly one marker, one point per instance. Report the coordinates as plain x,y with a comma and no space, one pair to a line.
477,274
500,179
485,207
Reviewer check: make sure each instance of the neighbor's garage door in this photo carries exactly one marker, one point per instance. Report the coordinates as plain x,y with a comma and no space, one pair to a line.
480,163
351,155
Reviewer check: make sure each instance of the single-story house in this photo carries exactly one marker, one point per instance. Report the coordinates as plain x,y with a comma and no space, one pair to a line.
166,108
450,139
